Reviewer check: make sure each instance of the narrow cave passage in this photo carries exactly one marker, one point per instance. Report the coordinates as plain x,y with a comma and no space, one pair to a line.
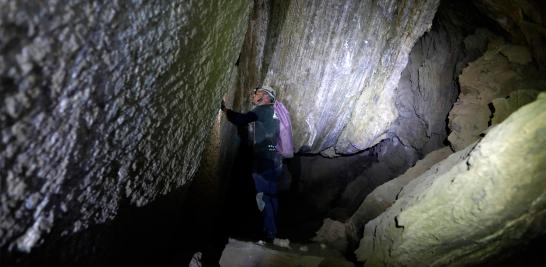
418,127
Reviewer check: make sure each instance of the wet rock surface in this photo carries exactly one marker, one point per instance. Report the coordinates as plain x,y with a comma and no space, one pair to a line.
104,103
472,207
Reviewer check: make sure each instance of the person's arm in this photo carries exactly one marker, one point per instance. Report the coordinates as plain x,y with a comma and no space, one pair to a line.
237,118
240,119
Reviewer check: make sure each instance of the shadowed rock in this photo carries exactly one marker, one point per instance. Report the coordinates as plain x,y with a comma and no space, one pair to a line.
104,103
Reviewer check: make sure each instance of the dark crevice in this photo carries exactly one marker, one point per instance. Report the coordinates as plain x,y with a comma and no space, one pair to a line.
397,224
491,115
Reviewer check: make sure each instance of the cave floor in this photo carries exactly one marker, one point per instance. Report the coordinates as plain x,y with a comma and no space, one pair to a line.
282,253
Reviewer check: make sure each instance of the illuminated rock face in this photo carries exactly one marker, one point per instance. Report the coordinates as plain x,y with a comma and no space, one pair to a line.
386,194
336,65
105,102
424,95
506,72
472,206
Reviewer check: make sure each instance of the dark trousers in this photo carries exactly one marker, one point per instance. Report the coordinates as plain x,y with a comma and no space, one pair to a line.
266,184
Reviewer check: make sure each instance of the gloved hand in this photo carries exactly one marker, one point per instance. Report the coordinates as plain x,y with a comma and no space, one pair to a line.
223,105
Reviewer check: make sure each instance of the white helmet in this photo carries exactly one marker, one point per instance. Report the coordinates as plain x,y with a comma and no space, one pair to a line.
269,90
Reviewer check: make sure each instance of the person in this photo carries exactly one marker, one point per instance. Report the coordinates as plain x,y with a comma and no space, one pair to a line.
267,163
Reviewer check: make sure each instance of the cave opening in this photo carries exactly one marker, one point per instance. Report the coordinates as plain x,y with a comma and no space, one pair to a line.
418,126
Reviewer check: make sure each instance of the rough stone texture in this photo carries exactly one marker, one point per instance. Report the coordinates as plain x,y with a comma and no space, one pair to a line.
424,96
342,236
334,65
386,194
472,207
503,107
334,234
523,21
335,187
103,102
494,75
239,253
391,158
321,181
427,88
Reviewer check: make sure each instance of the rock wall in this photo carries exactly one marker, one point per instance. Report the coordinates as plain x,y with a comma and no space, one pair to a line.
105,102
472,207
425,93
502,72
428,86
386,194
523,22
345,236
335,65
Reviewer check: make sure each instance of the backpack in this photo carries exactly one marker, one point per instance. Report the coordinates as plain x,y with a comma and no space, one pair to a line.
285,147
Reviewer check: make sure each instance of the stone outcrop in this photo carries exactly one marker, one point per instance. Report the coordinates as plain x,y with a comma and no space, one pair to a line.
425,94
523,21
334,65
427,88
334,234
503,69
472,207
386,194
343,236
504,106
392,157
103,103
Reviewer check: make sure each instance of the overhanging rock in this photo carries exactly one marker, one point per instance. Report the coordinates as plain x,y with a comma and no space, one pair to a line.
104,102
336,64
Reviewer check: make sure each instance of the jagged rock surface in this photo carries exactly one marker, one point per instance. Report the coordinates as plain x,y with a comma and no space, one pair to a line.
424,96
105,102
334,234
524,21
473,206
427,88
504,68
335,64
505,106
341,235
385,195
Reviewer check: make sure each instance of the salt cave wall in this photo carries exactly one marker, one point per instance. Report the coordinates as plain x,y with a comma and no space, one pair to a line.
104,103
